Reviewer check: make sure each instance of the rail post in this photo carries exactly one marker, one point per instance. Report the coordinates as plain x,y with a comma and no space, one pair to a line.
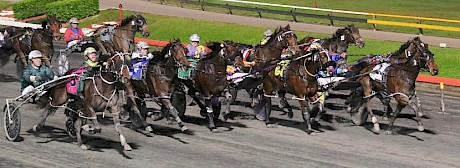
441,87
229,9
260,15
374,25
294,14
330,19
420,29
120,12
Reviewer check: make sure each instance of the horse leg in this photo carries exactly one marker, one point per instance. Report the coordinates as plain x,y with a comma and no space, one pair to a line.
118,127
173,111
77,125
306,115
320,107
366,83
268,111
134,107
387,110
402,102
210,115
228,98
414,107
284,103
91,114
419,104
58,97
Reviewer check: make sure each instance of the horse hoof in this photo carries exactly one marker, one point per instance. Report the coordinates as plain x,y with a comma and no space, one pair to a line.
214,130
420,128
374,120
149,129
420,114
271,126
84,147
127,147
385,118
36,128
389,132
348,109
225,117
290,114
376,127
184,128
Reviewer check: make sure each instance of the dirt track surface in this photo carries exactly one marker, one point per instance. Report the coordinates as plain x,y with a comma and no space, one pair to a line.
243,141
154,8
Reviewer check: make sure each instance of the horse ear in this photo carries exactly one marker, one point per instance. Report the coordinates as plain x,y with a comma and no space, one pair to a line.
288,27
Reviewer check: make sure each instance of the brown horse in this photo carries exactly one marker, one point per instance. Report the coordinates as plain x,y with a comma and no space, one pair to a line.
211,81
339,41
160,79
400,81
100,93
54,25
24,40
122,36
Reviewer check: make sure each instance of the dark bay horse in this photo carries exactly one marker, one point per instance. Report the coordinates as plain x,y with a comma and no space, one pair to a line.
211,81
161,78
99,94
400,82
339,41
122,36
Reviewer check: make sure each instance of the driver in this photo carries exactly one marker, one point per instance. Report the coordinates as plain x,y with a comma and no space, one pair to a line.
73,35
36,73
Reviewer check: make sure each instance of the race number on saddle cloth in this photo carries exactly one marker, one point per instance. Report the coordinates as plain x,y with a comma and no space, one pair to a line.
380,72
281,70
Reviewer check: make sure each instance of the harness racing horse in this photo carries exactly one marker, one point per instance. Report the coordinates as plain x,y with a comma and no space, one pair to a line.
54,25
122,37
99,94
339,41
400,81
161,78
24,40
211,81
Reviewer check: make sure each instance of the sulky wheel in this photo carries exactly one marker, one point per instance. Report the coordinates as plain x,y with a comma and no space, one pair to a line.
70,127
12,122
63,63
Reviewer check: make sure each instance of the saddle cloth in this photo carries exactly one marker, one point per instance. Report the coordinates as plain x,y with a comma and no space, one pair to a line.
107,33
72,84
280,70
136,72
187,73
379,72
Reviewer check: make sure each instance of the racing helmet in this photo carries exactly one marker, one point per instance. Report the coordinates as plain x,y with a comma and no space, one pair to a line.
35,54
195,37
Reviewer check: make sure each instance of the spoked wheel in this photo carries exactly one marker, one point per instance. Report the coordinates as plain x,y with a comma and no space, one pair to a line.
63,64
358,112
71,117
179,101
12,122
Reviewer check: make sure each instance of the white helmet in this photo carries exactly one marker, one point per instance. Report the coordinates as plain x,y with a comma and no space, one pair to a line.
35,54
73,20
142,44
268,32
195,37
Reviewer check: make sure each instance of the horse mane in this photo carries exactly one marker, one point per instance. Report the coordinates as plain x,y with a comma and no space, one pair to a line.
127,20
165,50
402,48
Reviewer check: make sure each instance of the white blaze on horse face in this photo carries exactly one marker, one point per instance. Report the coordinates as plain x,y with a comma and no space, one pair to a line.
132,23
415,62
342,37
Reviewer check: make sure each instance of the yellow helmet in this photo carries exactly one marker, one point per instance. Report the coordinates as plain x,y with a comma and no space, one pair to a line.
89,50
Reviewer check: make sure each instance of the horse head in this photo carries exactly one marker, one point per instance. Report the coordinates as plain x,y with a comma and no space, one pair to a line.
53,25
141,25
424,58
117,65
178,52
350,34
